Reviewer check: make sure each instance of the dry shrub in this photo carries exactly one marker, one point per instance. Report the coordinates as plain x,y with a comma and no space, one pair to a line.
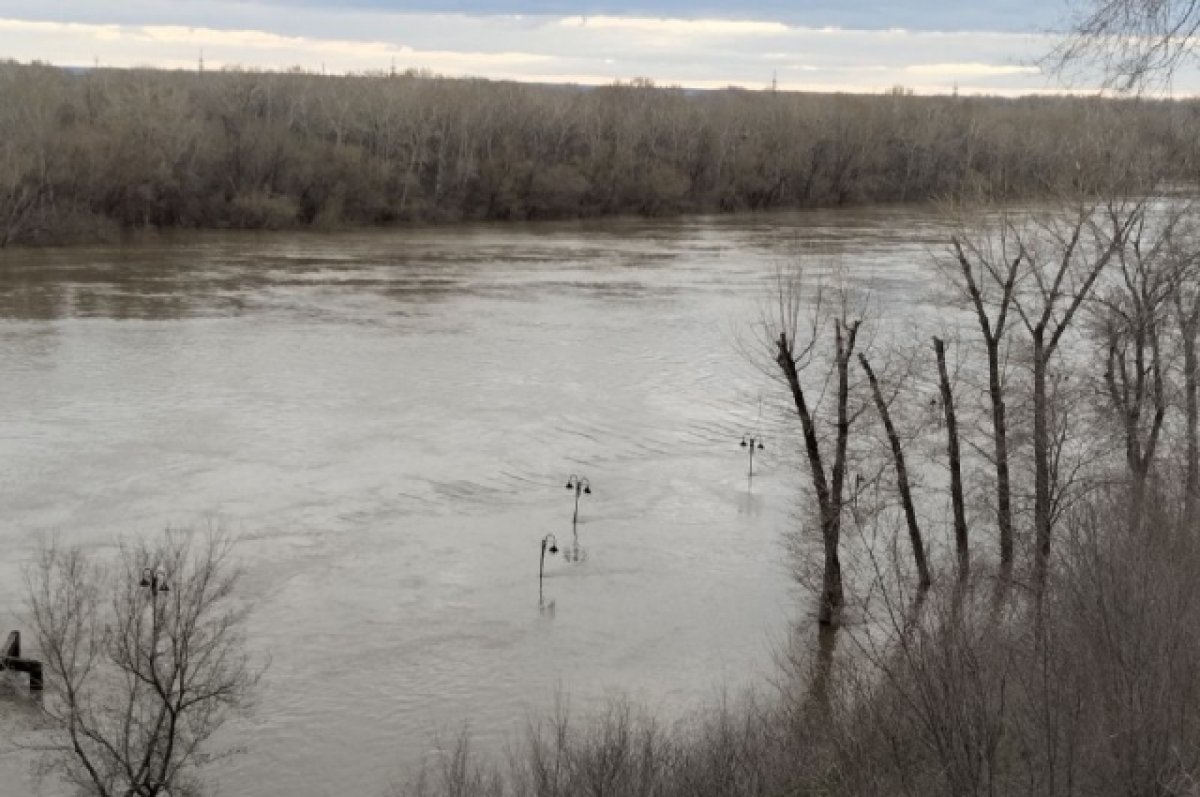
1092,692
262,210
1124,619
729,750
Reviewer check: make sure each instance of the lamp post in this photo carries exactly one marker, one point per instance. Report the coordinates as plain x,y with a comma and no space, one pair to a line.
549,542
154,580
579,484
751,442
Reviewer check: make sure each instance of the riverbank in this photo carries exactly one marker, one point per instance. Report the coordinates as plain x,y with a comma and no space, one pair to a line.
94,153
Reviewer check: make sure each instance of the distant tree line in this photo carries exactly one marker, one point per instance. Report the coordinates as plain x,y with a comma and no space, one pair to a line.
88,152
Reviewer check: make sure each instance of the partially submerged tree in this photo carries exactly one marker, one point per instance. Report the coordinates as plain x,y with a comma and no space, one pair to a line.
1132,322
794,332
144,660
902,483
954,458
985,271
1064,255
1185,304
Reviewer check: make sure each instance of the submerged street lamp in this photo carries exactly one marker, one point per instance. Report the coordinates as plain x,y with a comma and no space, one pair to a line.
154,580
549,542
580,485
751,442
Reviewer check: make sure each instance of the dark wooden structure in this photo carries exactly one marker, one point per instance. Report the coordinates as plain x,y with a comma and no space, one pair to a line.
10,659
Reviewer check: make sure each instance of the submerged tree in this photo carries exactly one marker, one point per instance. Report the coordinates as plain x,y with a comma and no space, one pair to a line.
1064,255
985,270
793,343
1185,305
1132,323
145,660
954,461
924,579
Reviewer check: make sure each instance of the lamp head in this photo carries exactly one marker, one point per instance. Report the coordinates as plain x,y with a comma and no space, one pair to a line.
588,489
760,445
553,548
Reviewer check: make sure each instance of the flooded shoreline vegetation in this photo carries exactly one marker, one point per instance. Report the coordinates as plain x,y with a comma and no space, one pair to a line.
946,696
86,154
146,661
1056,655
950,694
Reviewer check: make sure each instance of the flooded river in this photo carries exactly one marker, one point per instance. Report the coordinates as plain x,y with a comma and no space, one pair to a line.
388,419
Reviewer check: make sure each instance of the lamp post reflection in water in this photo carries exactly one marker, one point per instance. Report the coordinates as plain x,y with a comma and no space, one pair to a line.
752,442
580,485
575,553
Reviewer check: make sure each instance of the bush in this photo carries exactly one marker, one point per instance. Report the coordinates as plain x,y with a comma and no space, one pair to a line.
261,210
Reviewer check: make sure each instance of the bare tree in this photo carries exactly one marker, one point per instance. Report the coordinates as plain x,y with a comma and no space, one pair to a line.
28,147
1185,304
82,155
792,355
993,261
1064,255
902,484
1131,323
144,660
1134,43
961,542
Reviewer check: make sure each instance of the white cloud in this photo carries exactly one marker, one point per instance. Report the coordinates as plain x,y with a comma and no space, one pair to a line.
138,45
693,52
970,69
674,27
36,28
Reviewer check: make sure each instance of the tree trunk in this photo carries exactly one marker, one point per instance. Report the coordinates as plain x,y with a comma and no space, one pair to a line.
1000,442
1188,328
1129,392
832,594
1041,461
910,514
956,487
1192,479
844,337
992,338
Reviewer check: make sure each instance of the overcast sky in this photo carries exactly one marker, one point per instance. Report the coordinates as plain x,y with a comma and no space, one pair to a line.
851,45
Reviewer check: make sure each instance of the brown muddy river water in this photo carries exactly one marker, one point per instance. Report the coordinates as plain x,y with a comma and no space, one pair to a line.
388,418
